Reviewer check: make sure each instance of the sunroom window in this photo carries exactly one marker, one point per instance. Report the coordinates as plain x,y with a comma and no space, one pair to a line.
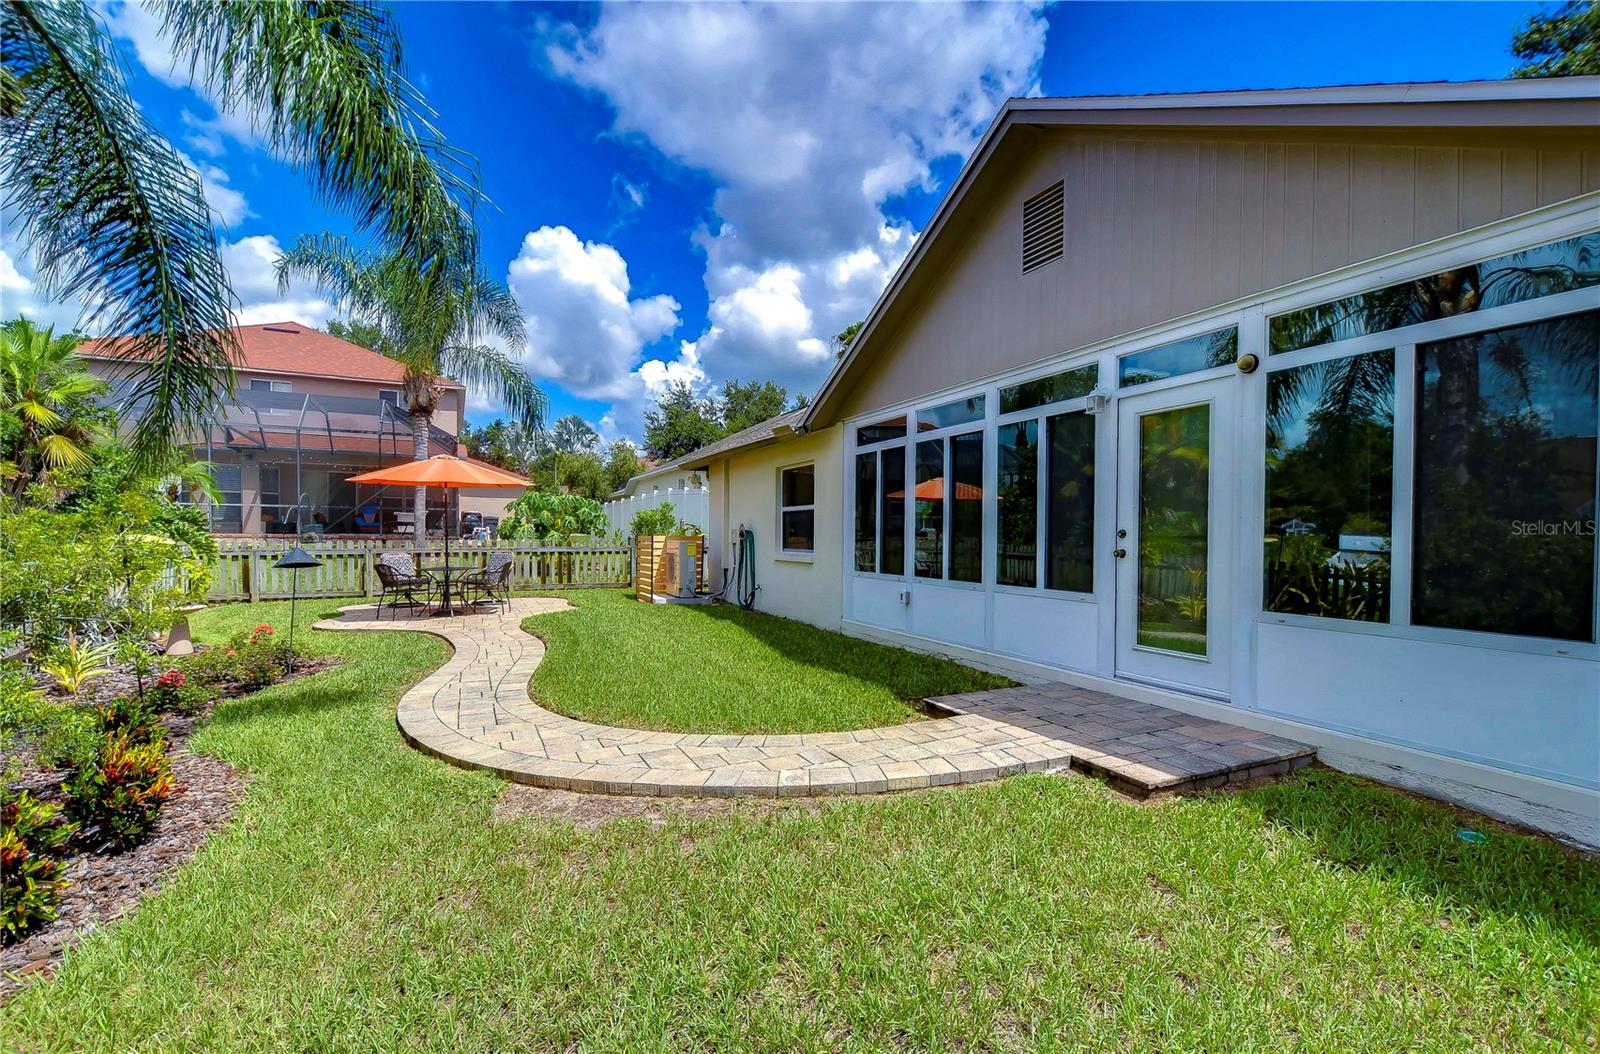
1330,488
1504,532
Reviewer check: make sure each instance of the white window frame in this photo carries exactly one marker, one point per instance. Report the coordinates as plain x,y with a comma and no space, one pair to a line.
984,427
785,553
273,386
881,450
399,396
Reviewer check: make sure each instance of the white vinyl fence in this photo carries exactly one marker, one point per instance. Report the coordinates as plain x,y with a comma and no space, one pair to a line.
690,503
244,566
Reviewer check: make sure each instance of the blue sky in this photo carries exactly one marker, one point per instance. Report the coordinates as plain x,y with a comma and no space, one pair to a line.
711,192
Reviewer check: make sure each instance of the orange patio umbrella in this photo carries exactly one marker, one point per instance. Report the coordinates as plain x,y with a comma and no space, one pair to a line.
442,470
933,490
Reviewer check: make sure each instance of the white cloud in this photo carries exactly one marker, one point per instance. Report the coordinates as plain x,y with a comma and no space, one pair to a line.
228,204
585,331
811,117
252,268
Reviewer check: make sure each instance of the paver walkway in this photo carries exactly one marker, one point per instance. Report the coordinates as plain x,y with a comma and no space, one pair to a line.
476,711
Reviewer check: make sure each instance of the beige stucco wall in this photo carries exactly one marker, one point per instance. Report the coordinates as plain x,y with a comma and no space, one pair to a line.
1159,225
488,501
744,490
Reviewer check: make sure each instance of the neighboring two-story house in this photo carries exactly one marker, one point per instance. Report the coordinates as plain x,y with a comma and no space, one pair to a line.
308,411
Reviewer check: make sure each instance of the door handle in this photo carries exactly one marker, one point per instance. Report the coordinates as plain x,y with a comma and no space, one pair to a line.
1119,552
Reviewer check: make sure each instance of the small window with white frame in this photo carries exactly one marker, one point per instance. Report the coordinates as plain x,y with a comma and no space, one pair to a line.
797,509
278,387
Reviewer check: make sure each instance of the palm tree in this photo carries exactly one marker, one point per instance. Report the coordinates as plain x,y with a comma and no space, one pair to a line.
47,398
433,321
115,217
571,435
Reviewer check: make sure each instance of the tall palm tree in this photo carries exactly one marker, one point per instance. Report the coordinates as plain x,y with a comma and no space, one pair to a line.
572,434
434,321
47,397
115,217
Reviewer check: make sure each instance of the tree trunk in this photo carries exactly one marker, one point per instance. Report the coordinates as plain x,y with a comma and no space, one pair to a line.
420,423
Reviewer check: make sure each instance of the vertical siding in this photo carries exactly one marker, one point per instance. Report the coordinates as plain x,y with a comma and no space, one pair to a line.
1160,227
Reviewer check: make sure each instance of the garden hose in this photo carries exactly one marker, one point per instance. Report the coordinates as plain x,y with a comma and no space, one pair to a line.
745,573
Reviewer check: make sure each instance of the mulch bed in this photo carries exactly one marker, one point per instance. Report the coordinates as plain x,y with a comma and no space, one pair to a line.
105,886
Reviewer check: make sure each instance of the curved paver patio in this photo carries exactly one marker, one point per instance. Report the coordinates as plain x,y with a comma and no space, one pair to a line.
476,711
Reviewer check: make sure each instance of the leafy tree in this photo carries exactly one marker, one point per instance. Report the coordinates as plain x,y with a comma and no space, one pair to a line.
583,473
749,404
1564,42
47,399
681,422
572,433
113,214
503,443
434,322
622,464
844,338
552,518
364,334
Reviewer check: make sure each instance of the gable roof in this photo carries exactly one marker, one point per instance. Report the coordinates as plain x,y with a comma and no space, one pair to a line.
1554,104
291,349
771,430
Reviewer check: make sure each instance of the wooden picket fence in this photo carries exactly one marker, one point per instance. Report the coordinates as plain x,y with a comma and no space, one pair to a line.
244,568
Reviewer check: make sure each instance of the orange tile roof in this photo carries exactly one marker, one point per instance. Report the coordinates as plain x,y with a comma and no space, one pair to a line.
291,348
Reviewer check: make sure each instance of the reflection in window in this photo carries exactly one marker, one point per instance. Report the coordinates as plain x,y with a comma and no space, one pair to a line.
930,509
1058,387
1330,476
959,412
1017,561
1510,279
1179,357
966,507
867,511
1174,528
1069,503
1505,480
892,466
879,431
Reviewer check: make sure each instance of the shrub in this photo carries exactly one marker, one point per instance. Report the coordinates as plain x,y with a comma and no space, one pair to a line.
554,519
131,717
62,735
249,660
75,664
118,797
660,520
33,839
174,692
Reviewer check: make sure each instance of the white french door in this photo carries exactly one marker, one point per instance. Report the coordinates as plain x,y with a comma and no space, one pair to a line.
1173,568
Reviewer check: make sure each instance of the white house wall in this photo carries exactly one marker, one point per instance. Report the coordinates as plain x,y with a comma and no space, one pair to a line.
744,493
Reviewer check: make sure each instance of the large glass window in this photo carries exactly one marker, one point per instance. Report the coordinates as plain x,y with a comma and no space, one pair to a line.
1511,279
960,412
1189,355
892,465
1330,487
867,511
1069,503
1017,561
966,507
797,510
1058,387
880,431
929,524
1504,533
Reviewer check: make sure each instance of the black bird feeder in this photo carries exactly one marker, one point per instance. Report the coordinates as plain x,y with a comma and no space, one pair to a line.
294,560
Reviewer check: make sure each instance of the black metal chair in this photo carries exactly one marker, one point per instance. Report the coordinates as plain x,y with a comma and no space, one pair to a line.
398,578
494,582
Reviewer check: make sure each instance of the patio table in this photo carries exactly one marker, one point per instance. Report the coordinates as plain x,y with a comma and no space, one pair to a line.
443,572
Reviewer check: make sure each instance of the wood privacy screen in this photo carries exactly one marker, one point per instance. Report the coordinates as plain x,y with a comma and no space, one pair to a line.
650,579
244,568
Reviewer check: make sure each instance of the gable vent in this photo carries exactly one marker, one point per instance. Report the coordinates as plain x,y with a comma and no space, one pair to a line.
1044,225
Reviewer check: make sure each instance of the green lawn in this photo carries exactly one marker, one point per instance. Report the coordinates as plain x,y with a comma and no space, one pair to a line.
724,670
364,899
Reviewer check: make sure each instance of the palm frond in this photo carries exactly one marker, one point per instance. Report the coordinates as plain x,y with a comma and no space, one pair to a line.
59,451
114,216
325,85
493,370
